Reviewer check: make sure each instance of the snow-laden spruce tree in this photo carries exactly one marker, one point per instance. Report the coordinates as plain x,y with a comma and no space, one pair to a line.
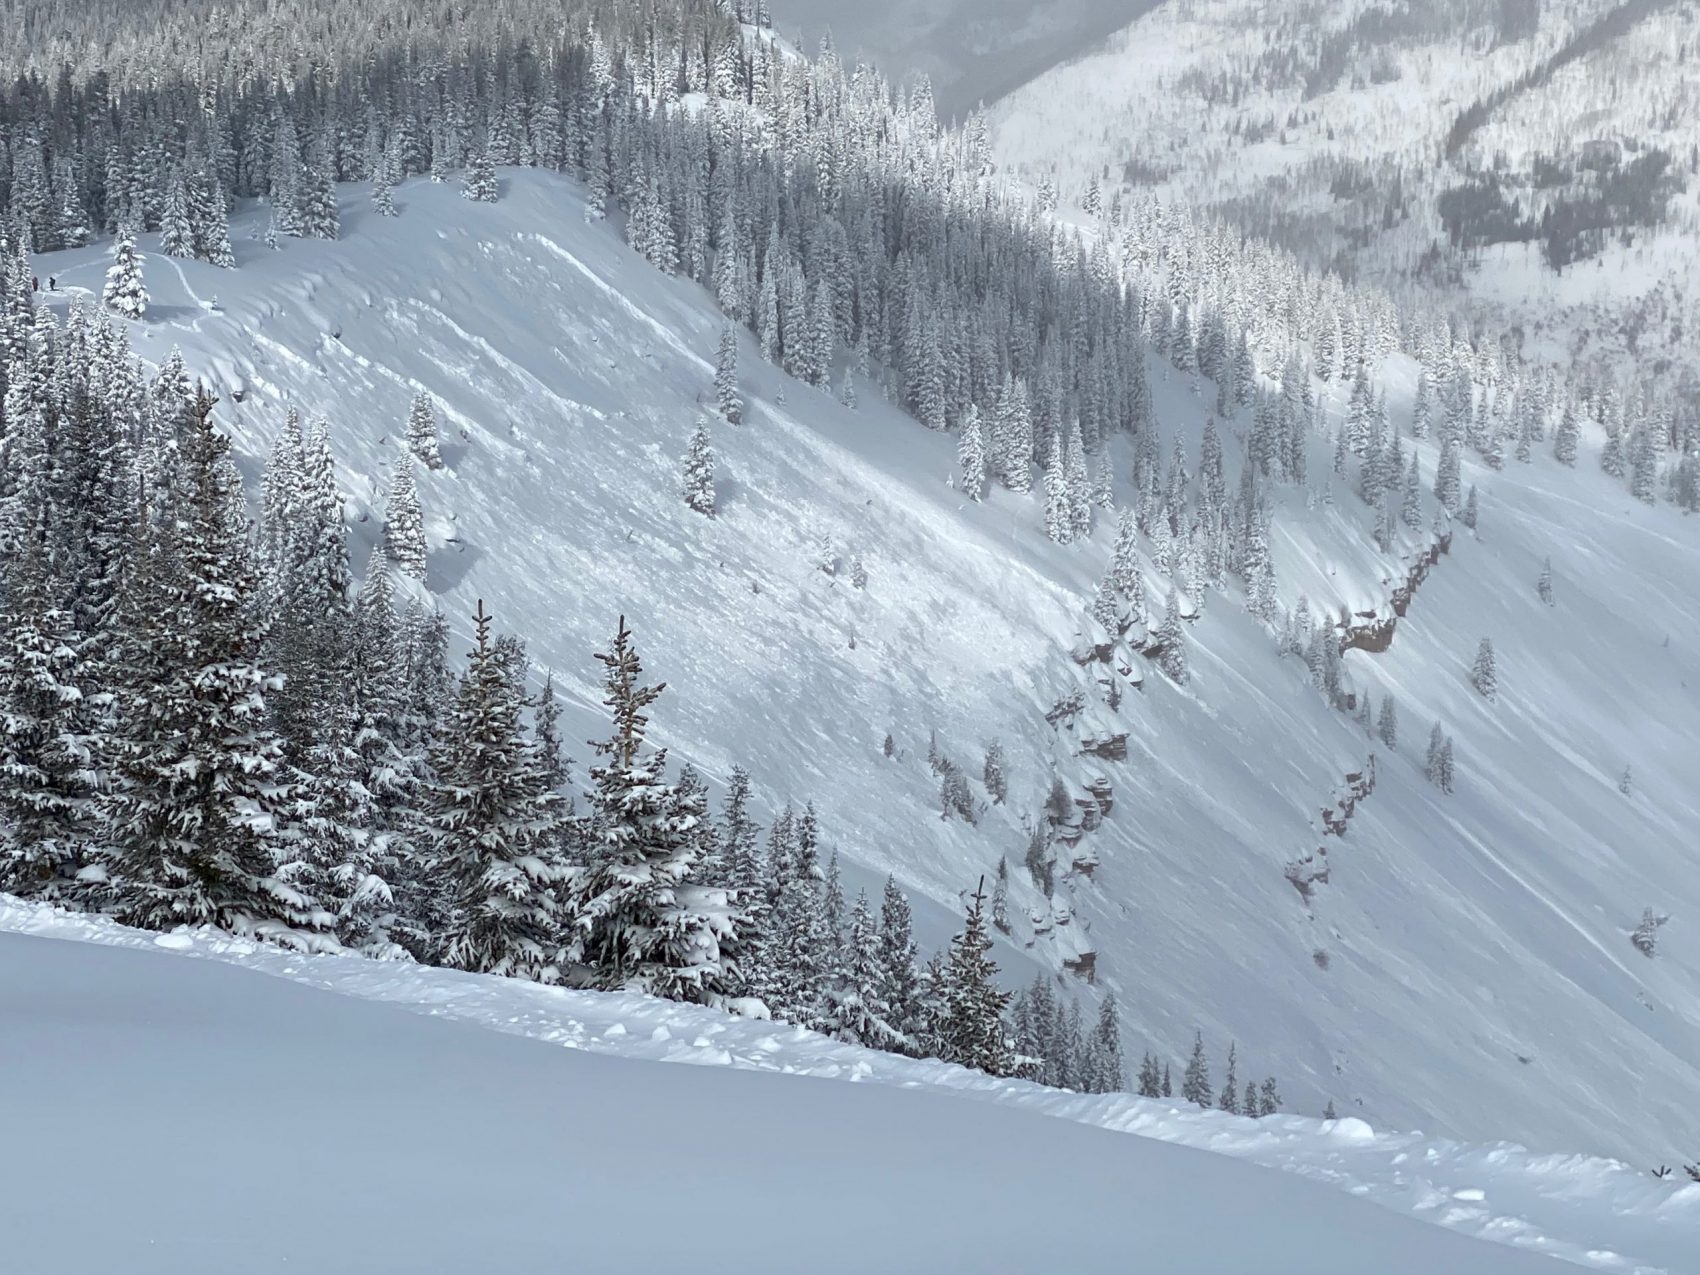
1567,436
726,376
1195,1084
1059,520
859,1009
422,432
488,820
1483,673
200,814
697,480
479,184
899,976
1387,726
383,195
50,740
1543,586
1171,642
971,455
637,917
123,293
1446,477
1106,1072
1229,1099
404,525
971,1005
176,232
992,773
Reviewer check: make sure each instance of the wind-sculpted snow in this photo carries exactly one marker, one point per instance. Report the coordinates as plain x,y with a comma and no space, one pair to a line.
1467,968
521,1158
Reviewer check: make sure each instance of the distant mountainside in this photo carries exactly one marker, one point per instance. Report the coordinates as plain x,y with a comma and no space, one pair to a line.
972,51
1528,165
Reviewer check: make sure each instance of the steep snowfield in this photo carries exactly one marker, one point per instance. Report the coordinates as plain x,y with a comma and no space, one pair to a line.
1466,970
541,1130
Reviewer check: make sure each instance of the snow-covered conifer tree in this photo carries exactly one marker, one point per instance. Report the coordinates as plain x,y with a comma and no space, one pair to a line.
1387,727
1482,673
123,292
199,815
971,455
1171,642
992,774
726,376
1229,1100
697,480
638,919
971,1030
488,815
480,184
1195,1084
422,432
404,524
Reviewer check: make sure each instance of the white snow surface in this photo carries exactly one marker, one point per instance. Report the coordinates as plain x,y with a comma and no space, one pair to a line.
217,1109
1467,970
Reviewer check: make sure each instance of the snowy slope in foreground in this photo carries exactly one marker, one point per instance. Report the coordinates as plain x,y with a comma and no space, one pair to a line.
214,1119
1466,971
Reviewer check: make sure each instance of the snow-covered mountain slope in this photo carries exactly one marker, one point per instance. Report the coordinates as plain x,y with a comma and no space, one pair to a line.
1420,147
1466,969
971,51
582,1126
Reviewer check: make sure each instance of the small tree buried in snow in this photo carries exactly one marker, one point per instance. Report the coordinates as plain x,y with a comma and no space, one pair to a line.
1645,936
638,920
697,480
124,293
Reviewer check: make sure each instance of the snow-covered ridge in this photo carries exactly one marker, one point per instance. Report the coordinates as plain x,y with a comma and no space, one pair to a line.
1597,1213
